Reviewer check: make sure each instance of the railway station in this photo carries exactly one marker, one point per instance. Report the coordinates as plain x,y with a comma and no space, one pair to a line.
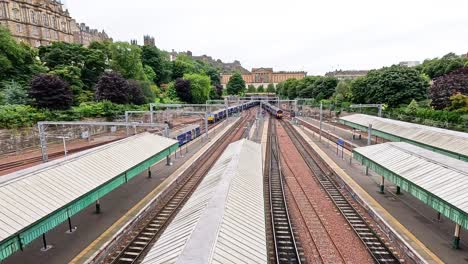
249,181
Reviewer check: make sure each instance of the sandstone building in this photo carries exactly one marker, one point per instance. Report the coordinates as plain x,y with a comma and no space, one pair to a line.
264,76
346,75
40,22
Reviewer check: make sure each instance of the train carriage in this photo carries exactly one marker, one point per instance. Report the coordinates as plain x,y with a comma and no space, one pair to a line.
186,134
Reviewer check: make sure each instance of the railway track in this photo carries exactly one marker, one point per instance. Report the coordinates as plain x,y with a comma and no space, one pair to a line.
54,155
374,244
285,247
153,226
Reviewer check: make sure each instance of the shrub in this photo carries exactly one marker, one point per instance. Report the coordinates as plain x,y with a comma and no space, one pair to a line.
51,92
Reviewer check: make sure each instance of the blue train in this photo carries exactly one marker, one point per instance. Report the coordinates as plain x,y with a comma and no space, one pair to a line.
273,110
186,134
221,114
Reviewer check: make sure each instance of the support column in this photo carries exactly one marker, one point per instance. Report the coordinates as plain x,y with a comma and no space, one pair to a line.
369,135
438,216
321,111
98,206
367,170
456,237
43,141
398,191
168,160
149,172
44,243
382,182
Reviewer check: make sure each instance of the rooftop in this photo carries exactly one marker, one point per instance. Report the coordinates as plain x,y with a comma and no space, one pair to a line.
448,142
35,200
435,179
224,219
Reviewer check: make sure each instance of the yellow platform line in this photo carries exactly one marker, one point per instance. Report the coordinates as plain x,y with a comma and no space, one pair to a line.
94,246
416,245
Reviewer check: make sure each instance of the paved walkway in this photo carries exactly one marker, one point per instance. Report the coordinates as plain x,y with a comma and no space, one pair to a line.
417,217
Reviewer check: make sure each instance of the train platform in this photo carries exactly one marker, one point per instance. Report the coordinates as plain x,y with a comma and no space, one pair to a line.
223,221
77,246
407,218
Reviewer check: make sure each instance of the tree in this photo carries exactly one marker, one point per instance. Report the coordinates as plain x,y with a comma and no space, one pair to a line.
150,91
459,103
135,93
159,62
182,65
412,108
448,85
218,88
437,67
182,88
72,75
15,94
126,59
394,86
18,62
251,89
49,91
200,86
112,87
271,88
236,84
88,63
260,89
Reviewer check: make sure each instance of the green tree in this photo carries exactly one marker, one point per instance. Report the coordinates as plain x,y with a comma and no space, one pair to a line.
412,108
112,87
72,75
236,84
437,67
260,89
15,94
459,103
126,59
90,63
150,91
394,86
49,91
251,88
200,86
271,88
183,64
18,62
159,62
343,89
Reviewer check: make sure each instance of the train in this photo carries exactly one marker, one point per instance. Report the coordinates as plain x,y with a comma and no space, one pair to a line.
273,110
186,134
221,114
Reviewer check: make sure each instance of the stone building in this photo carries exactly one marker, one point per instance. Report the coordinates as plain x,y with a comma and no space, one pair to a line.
346,75
149,41
40,22
265,76
83,34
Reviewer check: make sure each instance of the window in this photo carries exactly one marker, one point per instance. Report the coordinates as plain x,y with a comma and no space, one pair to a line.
56,35
64,26
55,22
19,28
45,20
33,17
47,33
2,12
16,14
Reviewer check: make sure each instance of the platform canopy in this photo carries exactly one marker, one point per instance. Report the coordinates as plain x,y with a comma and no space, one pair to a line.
35,200
447,142
224,219
439,181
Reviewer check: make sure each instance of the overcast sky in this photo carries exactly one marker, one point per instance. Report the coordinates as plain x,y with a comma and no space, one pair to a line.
315,36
